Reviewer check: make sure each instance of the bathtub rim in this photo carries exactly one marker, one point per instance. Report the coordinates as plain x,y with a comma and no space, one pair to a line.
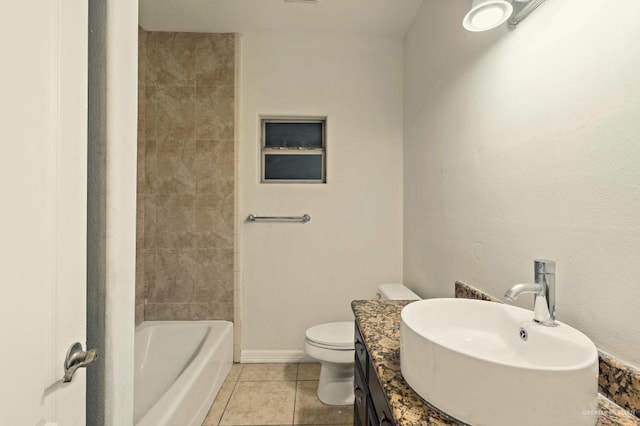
162,411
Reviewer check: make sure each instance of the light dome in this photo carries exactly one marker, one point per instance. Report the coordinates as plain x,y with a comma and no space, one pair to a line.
487,14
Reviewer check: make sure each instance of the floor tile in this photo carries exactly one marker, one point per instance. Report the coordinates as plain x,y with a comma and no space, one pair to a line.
219,404
256,372
234,374
310,411
261,403
309,371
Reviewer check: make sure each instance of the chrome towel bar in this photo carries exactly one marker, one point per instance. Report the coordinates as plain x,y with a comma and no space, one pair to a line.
304,218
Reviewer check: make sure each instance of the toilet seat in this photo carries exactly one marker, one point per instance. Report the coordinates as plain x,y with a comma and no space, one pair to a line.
333,335
329,347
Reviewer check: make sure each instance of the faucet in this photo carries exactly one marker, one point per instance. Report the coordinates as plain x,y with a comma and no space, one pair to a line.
544,289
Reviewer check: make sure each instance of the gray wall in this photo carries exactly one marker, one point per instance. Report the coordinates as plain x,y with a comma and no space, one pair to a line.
111,209
96,214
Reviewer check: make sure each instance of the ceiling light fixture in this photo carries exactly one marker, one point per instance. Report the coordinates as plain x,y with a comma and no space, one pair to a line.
487,14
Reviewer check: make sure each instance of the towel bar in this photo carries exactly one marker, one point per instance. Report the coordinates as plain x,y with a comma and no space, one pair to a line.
304,218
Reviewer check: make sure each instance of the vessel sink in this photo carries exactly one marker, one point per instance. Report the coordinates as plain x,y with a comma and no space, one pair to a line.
489,364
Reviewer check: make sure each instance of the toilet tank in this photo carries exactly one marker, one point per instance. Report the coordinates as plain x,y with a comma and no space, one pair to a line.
396,291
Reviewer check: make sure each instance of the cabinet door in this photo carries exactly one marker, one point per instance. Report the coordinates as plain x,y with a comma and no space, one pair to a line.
361,354
381,406
356,418
361,394
372,419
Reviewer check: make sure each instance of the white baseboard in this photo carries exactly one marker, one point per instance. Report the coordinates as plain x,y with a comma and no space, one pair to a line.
265,356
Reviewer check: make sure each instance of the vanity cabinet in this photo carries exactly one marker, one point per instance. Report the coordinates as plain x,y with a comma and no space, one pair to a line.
370,406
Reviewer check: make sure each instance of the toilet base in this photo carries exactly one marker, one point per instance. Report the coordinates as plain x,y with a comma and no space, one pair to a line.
336,383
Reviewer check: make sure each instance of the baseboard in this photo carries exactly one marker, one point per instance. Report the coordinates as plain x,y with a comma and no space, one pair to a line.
265,356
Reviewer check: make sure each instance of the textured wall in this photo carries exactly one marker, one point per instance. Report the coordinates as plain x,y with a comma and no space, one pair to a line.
186,176
524,144
296,276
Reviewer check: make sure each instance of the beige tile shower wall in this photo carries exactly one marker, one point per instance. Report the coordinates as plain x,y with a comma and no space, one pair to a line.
186,193
140,282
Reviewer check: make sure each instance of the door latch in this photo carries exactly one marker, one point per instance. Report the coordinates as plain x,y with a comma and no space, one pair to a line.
77,358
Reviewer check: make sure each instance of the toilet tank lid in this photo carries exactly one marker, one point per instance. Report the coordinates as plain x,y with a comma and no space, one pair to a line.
396,291
340,334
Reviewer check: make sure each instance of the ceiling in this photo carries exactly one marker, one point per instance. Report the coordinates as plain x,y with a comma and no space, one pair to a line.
379,17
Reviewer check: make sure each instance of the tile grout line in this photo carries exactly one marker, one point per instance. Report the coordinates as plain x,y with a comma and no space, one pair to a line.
235,383
295,396
224,410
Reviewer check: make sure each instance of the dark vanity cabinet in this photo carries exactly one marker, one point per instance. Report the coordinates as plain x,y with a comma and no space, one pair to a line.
370,406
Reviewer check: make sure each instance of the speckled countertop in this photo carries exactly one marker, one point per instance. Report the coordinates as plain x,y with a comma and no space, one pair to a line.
379,322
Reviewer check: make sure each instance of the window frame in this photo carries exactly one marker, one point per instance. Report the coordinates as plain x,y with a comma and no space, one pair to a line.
264,150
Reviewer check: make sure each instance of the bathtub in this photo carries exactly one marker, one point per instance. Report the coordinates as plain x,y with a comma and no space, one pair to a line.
179,368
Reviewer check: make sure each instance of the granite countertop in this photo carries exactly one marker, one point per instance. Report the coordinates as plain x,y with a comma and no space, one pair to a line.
379,322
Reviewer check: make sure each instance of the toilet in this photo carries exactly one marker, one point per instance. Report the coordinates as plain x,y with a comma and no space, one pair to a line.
332,345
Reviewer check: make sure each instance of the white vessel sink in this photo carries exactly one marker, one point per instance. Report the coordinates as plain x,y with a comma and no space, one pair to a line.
467,358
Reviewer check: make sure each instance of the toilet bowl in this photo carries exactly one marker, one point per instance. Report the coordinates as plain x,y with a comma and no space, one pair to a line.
332,345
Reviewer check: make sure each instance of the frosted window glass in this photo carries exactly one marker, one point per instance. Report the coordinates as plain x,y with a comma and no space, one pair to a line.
293,135
293,167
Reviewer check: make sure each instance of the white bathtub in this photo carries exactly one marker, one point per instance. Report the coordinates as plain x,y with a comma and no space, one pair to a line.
179,368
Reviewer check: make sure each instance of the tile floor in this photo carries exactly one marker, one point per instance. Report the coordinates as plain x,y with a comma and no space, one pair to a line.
274,394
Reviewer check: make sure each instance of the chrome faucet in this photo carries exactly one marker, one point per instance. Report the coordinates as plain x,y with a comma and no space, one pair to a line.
544,289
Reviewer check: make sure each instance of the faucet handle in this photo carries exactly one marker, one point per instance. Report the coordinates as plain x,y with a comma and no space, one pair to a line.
543,266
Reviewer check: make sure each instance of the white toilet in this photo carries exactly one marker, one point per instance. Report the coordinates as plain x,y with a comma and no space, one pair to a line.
332,345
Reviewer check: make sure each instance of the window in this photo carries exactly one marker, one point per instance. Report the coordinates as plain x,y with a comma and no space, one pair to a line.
293,150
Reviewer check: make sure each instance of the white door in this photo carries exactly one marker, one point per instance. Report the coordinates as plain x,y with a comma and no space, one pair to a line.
43,150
